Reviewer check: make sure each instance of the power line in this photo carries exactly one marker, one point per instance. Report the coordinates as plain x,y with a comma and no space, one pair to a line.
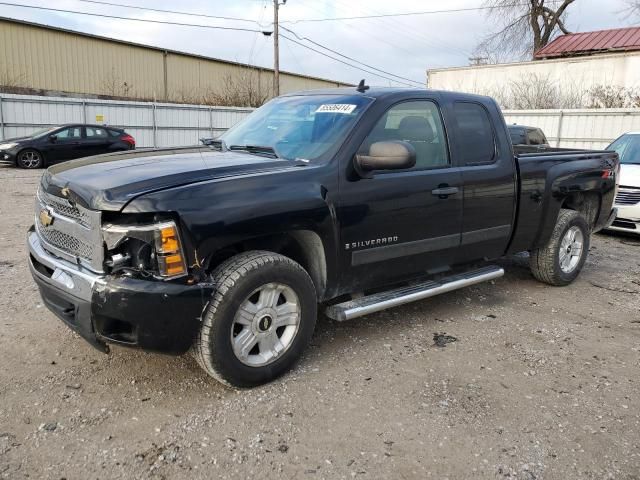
379,39
34,7
350,58
191,14
409,32
239,29
407,14
345,63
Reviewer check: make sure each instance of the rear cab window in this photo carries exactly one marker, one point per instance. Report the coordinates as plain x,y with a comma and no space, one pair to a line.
477,142
536,137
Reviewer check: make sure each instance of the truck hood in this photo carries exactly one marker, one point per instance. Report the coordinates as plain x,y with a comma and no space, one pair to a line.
630,175
109,182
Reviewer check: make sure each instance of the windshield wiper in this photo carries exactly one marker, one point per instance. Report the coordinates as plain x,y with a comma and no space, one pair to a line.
217,144
256,150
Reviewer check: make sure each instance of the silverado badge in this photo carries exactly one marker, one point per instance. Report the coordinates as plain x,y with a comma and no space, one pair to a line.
46,218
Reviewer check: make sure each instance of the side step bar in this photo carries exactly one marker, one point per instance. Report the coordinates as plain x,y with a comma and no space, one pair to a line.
392,298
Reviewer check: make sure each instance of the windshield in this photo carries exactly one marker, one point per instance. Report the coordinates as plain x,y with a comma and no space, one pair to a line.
42,132
628,148
300,127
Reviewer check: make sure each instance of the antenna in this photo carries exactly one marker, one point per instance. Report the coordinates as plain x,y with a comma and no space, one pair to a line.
362,87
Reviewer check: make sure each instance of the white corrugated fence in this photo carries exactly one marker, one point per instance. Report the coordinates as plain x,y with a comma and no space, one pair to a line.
151,124
588,128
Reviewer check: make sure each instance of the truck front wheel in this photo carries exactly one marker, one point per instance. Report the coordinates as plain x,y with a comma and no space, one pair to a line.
560,261
260,318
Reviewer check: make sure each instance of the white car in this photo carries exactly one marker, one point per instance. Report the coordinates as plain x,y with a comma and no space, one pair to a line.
628,198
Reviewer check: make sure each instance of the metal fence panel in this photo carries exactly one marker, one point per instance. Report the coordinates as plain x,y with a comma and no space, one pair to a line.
585,128
151,124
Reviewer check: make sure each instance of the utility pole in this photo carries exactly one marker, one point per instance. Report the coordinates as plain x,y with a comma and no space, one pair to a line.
276,49
476,61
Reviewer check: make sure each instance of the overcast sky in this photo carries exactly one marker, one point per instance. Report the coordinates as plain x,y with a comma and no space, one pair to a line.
405,46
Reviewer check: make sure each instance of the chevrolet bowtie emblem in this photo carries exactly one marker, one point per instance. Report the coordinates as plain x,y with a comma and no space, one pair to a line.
46,218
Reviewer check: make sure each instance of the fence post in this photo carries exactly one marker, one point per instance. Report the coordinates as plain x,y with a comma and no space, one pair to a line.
84,112
155,127
211,122
558,136
1,120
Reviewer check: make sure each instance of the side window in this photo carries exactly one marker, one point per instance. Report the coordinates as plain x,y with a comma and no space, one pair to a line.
95,132
72,133
517,136
114,133
476,139
417,123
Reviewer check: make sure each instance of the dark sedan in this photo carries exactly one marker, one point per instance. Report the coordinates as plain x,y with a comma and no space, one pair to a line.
65,142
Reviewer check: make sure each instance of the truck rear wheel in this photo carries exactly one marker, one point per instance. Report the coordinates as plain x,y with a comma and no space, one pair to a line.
260,318
561,260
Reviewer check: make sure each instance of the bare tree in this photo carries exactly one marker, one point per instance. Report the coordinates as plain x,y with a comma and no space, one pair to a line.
12,81
241,89
634,7
613,96
524,27
114,86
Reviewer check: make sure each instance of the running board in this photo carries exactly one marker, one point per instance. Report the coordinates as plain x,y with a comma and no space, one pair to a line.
392,298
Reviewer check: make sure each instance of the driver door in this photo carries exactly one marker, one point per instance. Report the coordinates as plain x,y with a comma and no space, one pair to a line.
399,223
65,146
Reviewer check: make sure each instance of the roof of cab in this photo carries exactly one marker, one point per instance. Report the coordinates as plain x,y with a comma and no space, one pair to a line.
379,92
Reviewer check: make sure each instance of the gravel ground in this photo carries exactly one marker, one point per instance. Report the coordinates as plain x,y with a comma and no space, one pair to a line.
542,382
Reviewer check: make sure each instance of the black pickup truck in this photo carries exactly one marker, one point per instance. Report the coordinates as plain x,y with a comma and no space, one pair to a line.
356,200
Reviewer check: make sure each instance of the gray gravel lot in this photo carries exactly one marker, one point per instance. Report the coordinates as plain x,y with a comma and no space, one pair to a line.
542,382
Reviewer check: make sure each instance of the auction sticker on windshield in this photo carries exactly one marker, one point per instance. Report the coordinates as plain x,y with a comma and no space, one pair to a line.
336,108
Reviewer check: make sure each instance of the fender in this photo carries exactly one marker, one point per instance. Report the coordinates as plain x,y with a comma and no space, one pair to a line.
548,182
222,212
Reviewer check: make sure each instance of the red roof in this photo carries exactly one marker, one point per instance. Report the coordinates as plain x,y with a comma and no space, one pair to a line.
585,43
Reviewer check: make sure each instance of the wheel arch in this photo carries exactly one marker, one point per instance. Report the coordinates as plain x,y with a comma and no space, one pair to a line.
302,246
587,203
35,149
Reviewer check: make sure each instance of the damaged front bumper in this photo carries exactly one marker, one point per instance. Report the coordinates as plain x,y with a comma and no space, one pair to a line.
148,314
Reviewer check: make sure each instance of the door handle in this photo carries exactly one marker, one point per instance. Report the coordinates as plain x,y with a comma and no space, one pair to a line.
443,191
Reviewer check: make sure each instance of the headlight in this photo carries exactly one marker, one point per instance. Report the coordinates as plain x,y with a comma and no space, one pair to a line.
153,249
7,146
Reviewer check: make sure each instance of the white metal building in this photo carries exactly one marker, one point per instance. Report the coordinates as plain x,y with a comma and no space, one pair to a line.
574,62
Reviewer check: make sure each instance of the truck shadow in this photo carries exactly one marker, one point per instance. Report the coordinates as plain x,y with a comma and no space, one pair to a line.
334,342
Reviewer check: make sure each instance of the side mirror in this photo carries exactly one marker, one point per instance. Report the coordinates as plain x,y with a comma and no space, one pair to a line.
53,138
391,155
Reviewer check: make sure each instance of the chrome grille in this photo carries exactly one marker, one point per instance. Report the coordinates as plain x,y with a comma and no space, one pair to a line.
74,233
65,242
63,207
628,196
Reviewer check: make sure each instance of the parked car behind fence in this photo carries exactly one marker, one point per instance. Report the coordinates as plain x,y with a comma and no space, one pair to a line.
64,142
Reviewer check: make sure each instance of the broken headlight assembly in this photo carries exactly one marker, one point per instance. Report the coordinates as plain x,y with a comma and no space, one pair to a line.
152,250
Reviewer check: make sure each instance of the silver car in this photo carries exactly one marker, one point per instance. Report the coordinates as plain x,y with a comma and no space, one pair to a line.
628,198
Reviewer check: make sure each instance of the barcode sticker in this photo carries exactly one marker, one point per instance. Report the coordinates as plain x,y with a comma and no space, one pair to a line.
336,108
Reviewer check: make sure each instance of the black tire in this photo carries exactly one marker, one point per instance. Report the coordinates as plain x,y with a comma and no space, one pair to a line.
30,159
545,262
234,281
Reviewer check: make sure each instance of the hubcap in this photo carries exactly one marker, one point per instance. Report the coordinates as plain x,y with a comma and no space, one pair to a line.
571,249
30,159
265,325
